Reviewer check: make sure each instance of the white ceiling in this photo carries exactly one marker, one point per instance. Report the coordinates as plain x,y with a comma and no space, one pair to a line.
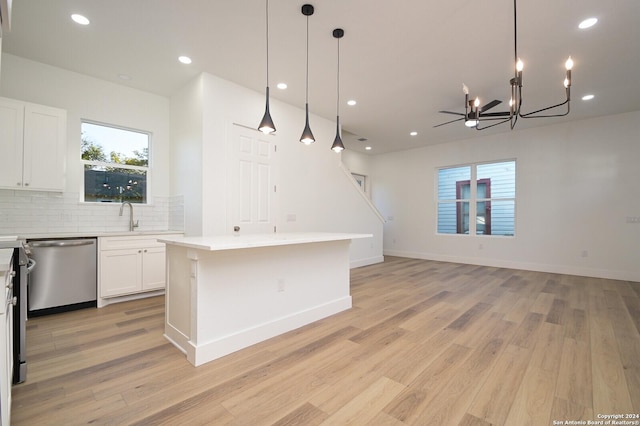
402,60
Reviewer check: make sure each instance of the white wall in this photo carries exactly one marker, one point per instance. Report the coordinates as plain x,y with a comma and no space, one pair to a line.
86,97
576,185
312,185
359,163
186,153
83,97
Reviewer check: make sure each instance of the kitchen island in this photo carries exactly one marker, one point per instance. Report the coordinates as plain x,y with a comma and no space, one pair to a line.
225,293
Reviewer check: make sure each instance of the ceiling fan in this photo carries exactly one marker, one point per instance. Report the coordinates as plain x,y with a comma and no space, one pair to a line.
470,116
473,113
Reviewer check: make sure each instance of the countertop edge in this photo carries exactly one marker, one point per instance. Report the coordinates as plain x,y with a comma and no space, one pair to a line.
226,242
97,234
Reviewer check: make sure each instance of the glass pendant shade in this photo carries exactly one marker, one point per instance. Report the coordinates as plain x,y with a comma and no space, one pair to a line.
266,125
337,142
307,137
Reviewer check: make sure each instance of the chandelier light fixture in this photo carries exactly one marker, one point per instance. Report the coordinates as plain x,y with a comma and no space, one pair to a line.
338,146
475,115
307,136
266,125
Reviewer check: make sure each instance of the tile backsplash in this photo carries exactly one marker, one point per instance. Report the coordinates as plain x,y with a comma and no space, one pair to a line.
37,212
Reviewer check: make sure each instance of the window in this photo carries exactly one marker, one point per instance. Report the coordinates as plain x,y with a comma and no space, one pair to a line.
484,191
116,163
361,180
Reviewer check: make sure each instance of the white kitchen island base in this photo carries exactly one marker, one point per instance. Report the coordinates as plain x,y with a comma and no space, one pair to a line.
229,292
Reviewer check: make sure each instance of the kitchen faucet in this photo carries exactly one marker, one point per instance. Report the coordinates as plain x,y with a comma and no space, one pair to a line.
131,224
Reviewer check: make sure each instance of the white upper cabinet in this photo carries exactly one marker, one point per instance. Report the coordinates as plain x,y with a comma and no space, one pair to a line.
33,143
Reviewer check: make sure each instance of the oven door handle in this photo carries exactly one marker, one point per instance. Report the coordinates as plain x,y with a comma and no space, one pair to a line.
31,263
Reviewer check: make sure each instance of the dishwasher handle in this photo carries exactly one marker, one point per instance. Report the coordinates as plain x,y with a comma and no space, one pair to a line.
61,243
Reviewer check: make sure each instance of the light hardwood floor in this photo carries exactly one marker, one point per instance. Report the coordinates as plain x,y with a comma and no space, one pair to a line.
426,343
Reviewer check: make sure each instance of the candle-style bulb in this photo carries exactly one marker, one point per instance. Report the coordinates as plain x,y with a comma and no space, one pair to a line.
476,103
566,82
569,64
519,65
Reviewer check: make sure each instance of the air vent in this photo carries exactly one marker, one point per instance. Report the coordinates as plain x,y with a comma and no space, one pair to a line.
362,139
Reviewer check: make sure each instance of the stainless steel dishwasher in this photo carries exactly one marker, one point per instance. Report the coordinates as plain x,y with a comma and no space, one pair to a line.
66,275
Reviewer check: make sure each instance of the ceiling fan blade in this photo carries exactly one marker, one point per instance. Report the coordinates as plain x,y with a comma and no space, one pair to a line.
451,112
495,114
449,122
490,105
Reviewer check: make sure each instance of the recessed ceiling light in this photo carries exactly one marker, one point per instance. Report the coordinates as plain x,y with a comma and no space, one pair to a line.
587,23
588,97
79,19
351,102
185,60
368,148
414,133
282,86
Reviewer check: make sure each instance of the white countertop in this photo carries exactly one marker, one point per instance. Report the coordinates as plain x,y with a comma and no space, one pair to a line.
230,242
89,234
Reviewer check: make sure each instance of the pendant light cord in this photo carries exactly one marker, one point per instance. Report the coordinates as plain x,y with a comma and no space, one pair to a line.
307,76
515,36
338,81
267,15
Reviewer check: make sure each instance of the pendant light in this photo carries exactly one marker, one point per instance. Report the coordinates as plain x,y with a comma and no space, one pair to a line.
266,125
307,136
338,146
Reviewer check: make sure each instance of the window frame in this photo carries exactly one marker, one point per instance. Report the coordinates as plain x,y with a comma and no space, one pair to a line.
147,169
473,200
459,206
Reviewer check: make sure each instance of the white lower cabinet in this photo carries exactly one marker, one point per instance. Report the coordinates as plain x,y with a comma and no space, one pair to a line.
130,264
6,344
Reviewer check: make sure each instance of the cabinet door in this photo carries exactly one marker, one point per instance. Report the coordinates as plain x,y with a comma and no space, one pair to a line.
11,132
120,272
153,268
6,366
44,148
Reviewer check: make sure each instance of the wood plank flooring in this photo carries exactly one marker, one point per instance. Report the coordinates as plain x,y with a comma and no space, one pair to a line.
426,343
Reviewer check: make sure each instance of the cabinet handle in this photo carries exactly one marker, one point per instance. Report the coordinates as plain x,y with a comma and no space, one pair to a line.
139,251
19,184
26,184
145,250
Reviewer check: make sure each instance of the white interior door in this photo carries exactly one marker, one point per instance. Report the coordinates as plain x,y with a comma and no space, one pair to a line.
252,189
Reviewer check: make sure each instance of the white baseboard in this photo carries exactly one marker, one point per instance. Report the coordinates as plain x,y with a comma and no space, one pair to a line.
364,262
104,301
527,266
